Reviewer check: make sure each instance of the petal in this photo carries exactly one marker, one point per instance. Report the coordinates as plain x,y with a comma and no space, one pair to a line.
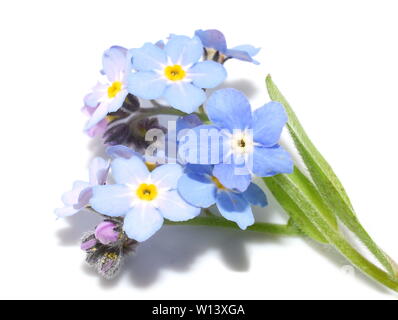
207,74
98,171
251,50
166,176
184,96
72,197
148,57
115,63
201,145
65,212
183,50
199,169
234,207
175,208
188,122
197,190
244,53
117,102
268,122
122,152
271,161
229,176
142,222
84,198
112,200
255,195
99,114
99,91
146,85
229,108
212,39
132,170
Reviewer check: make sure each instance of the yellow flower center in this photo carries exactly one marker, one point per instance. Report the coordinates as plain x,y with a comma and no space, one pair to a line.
174,73
114,89
151,165
111,118
147,192
217,182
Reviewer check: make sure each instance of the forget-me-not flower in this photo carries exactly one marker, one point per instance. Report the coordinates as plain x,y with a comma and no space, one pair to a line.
109,94
142,197
201,188
214,40
77,198
174,73
248,144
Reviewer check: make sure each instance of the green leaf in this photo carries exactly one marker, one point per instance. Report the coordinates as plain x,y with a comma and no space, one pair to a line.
295,208
329,186
290,190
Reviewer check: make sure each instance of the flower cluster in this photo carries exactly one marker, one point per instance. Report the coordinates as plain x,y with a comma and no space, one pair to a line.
208,156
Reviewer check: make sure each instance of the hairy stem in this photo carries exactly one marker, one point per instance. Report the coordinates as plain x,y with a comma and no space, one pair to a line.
262,227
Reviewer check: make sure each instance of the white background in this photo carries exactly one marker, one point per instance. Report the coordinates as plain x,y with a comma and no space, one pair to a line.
336,62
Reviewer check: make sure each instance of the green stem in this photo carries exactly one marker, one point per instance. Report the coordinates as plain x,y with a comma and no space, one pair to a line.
262,227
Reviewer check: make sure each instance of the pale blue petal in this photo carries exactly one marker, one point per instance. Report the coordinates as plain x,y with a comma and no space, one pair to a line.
147,58
132,170
65,212
167,175
115,62
112,200
142,222
201,145
99,114
207,74
98,171
268,122
146,85
229,108
71,197
234,207
175,208
120,151
200,170
271,161
197,189
255,195
97,93
251,50
184,96
212,39
183,50
188,122
230,176
116,103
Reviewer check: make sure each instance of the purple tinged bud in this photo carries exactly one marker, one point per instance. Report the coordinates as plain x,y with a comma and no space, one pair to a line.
88,244
105,232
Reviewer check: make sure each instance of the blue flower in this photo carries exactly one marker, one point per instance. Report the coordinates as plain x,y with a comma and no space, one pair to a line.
214,40
109,94
143,198
174,73
77,198
246,143
199,187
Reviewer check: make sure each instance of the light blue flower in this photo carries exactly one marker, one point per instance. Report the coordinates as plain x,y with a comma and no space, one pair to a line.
215,40
201,188
143,198
246,143
109,94
77,198
174,73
